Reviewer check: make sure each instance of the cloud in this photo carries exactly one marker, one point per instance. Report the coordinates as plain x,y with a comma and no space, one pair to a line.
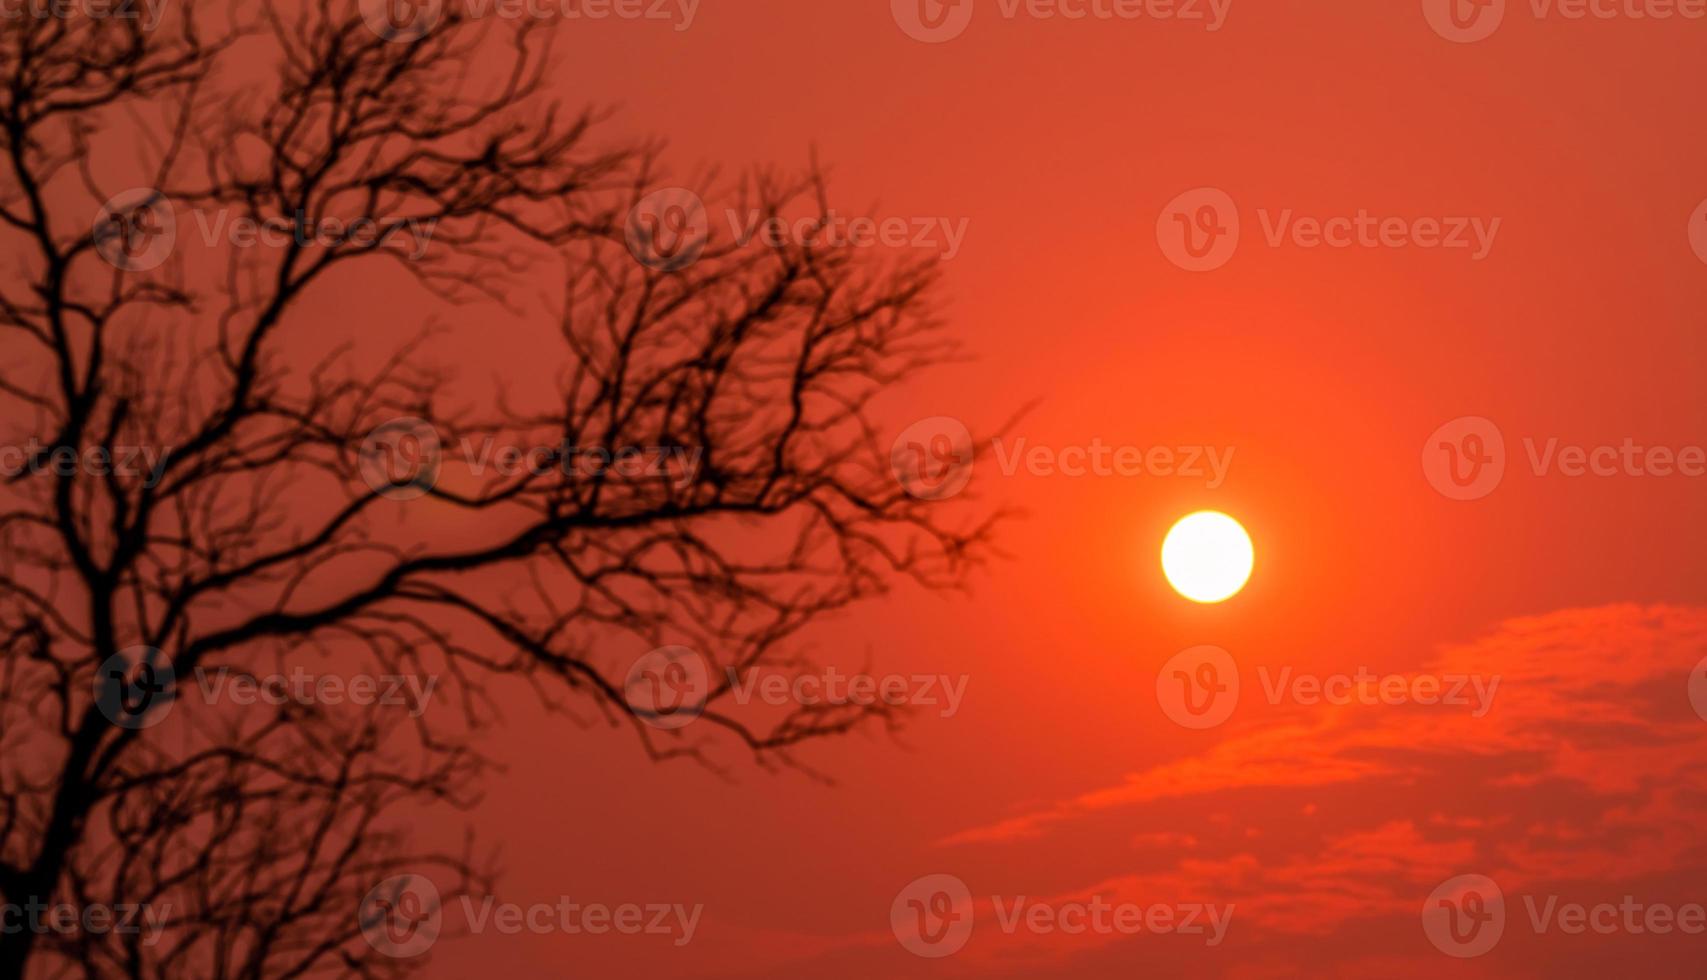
1589,769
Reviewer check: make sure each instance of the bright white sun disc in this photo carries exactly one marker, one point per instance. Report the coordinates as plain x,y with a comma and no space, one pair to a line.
1207,557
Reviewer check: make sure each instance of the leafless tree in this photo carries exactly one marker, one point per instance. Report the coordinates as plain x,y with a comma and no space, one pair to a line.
266,528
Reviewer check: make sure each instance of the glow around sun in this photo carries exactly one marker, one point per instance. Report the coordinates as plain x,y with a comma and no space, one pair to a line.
1207,557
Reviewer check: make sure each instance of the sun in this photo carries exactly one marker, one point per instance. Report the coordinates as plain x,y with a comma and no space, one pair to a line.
1207,557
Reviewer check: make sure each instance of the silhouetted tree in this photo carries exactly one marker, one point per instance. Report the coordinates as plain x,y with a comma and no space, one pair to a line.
268,525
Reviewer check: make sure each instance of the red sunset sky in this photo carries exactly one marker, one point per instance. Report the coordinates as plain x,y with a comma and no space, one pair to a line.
1518,268
1059,143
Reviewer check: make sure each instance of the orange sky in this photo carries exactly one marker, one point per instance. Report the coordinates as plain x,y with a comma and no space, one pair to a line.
1058,143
